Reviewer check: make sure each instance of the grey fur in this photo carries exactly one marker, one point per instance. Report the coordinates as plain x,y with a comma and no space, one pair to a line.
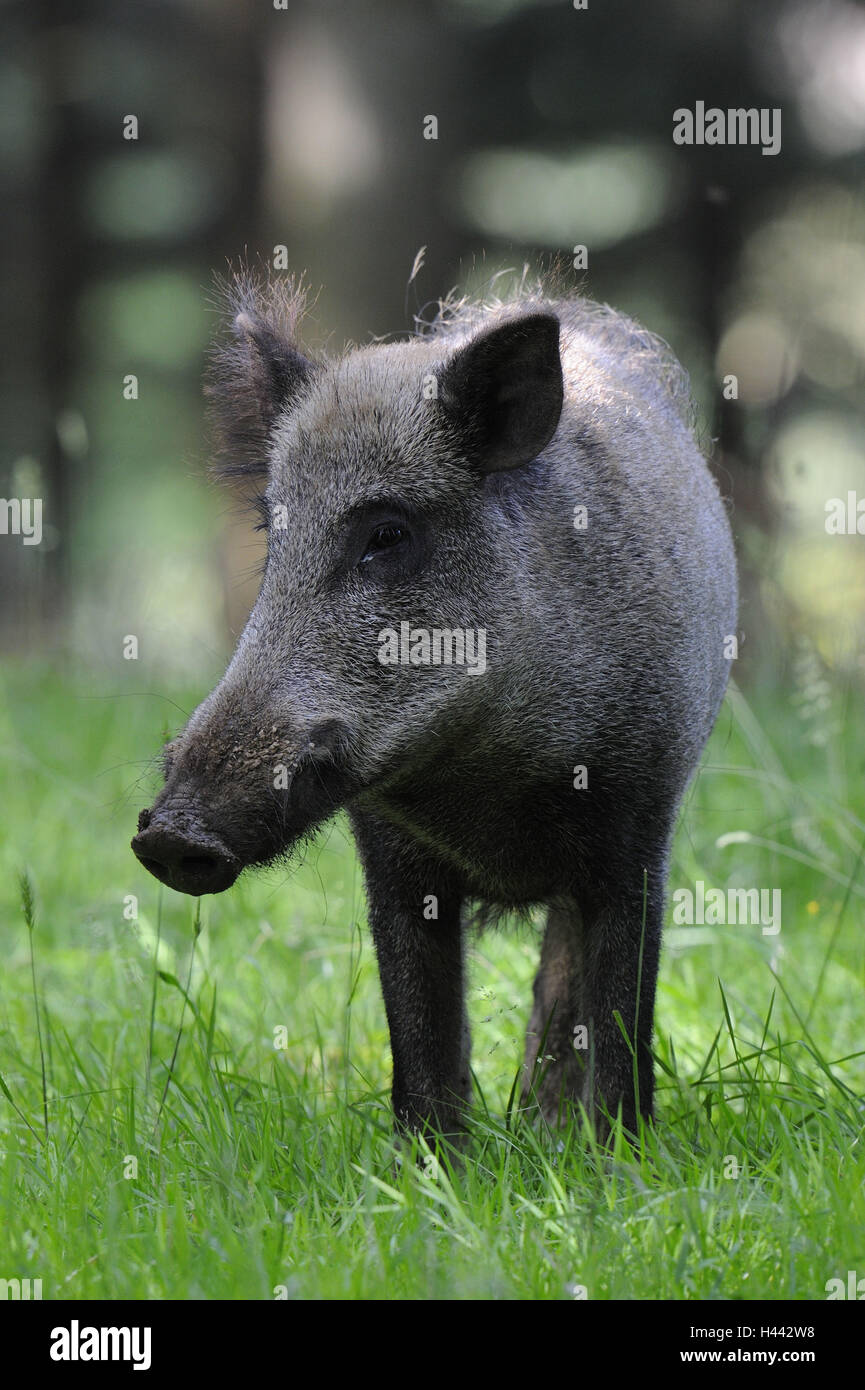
605,648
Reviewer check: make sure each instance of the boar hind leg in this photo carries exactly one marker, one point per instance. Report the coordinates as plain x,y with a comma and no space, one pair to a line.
623,938
414,914
554,1071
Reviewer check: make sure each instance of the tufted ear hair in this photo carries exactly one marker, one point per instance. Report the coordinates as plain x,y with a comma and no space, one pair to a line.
503,390
256,372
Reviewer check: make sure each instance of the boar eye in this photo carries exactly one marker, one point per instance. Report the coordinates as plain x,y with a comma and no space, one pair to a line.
384,538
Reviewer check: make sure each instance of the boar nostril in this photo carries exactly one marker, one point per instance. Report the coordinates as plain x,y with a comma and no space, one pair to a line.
199,863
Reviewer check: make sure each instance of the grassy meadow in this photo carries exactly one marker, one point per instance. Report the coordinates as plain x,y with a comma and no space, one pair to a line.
197,1108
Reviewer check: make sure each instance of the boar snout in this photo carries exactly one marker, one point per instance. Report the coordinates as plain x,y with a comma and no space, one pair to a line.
182,854
228,804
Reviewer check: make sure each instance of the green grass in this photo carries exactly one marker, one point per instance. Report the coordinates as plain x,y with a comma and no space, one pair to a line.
155,1143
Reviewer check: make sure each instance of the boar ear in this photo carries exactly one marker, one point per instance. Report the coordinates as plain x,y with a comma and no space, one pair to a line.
255,375
504,391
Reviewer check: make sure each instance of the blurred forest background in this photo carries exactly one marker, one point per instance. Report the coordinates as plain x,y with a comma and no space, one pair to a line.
303,127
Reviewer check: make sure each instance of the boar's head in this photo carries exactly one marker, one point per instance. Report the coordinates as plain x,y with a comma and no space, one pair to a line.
376,475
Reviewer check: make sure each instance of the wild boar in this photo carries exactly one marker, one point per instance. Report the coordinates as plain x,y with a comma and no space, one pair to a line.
494,626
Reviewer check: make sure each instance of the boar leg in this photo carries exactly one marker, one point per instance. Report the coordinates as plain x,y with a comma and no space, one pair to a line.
590,963
420,961
554,1073
619,951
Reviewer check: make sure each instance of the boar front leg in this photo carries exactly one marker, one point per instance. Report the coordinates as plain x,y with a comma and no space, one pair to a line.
414,914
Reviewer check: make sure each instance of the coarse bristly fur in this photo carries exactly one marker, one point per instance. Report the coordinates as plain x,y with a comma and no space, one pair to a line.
256,304
525,467
264,315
